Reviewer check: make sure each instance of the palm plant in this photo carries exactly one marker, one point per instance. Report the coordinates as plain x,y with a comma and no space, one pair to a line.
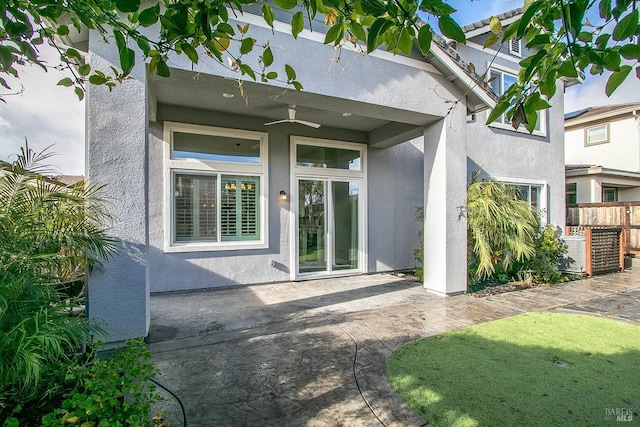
501,227
48,233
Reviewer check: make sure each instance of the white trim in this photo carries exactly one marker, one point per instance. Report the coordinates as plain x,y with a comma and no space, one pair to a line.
542,116
544,200
206,167
329,176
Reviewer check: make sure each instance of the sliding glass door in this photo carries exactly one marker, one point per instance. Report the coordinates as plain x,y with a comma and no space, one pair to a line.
328,226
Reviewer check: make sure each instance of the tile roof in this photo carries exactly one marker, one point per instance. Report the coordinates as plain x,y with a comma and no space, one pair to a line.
485,22
593,111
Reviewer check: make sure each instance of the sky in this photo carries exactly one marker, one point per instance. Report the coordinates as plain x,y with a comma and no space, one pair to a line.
46,114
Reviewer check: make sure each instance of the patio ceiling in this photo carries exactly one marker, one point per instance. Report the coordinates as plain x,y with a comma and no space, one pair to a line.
385,126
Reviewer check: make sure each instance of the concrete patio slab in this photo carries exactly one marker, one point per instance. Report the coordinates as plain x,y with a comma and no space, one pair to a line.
314,353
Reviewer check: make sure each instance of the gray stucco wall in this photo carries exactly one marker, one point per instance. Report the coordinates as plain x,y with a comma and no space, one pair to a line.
505,153
395,192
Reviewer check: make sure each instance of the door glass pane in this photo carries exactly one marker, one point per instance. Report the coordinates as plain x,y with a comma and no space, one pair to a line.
327,157
312,229
345,225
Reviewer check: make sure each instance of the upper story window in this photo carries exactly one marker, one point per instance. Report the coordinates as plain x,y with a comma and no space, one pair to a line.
216,180
597,135
500,81
515,47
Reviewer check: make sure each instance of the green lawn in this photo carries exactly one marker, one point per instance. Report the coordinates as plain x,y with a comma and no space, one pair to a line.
545,369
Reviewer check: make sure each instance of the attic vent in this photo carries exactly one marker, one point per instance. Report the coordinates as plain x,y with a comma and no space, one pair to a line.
515,47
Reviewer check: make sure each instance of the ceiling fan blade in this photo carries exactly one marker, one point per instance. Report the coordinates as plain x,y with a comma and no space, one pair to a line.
306,123
277,121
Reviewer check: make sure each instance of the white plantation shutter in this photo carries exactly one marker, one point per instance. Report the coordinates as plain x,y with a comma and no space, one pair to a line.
195,207
240,208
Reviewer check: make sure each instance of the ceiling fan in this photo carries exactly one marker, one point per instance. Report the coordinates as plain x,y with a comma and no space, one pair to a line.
292,119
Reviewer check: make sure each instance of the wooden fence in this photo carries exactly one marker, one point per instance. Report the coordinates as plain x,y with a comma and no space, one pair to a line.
625,215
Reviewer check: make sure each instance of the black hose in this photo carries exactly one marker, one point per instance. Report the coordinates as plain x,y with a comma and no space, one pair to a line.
184,414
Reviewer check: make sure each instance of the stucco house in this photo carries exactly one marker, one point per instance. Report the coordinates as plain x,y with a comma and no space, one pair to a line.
602,154
210,193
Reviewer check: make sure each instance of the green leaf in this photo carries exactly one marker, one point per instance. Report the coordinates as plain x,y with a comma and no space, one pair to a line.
127,60
511,30
425,36
96,79
247,45
267,14
63,30
190,52
616,79
267,57
163,69
498,110
297,24
630,51
272,75
525,20
585,36
6,57
79,93
297,85
495,25
567,69
405,42
334,34
84,70
437,7
374,7
626,27
378,28
149,16
602,40
143,45
246,69
612,61
128,5
491,40
291,74
66,82
4,84
358,31
286,4
638,72
451,29
605,9
121,44
73,54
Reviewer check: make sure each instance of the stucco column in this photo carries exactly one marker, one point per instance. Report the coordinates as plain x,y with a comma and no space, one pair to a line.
116,135
445,189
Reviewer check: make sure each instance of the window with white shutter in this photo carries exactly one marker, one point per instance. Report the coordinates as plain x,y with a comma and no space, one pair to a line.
515,47
218,186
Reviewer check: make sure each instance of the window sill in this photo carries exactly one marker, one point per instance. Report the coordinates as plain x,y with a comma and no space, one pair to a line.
522,130
214,247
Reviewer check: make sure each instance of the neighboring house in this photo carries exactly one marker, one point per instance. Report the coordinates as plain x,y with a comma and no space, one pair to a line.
602,154
209,194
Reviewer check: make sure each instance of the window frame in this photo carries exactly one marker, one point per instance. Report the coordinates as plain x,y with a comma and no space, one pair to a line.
604,141
573,192
499,123
544,197
218,168
606,189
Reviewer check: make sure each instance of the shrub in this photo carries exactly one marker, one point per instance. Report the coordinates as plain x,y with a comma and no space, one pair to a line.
114,392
